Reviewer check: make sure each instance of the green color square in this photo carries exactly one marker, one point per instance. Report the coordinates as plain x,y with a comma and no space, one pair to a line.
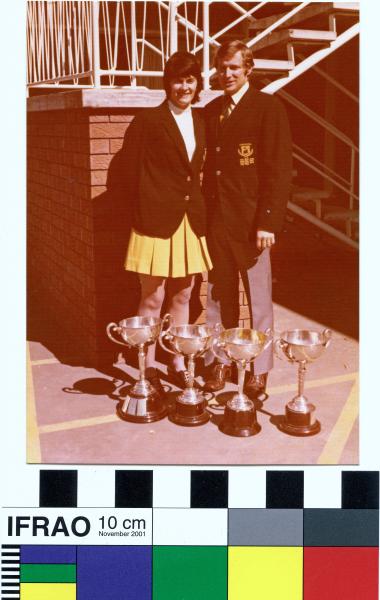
47,573
189,573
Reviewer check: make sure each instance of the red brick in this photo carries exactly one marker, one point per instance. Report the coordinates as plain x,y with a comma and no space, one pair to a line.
202,318
97,190
203,300
121,118
99,118
80,160
244,312
116,145
99,146
203,288
107,130
100,161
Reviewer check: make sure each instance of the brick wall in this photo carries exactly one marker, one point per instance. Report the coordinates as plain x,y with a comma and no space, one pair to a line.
78,226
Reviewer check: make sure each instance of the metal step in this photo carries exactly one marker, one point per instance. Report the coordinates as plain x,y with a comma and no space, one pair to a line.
348,218
270,68
342,214
315,9
306,195
296,37
265,65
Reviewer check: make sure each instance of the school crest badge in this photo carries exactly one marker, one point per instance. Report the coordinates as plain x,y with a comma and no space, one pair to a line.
246,152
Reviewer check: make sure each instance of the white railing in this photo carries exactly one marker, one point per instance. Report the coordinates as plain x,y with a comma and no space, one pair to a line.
77,43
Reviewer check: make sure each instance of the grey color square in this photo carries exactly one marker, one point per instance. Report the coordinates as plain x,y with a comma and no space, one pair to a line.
265,527
341,527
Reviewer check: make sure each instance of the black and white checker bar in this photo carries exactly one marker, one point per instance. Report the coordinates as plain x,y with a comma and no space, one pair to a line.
241,487
10,571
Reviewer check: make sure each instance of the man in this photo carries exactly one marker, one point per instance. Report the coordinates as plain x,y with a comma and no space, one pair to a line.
246,183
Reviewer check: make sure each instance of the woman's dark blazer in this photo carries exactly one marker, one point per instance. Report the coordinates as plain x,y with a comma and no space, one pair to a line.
162,184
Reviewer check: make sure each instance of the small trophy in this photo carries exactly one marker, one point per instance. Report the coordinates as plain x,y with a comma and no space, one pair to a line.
143,403
301,346
242,346
190,341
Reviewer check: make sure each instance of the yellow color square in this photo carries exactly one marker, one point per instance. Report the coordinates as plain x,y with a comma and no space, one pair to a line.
48,591
265,573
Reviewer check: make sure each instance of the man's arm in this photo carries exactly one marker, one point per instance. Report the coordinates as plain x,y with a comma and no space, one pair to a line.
275,167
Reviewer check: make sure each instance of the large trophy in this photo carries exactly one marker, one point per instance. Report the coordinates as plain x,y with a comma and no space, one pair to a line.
241,346
301,346
143,403
190,341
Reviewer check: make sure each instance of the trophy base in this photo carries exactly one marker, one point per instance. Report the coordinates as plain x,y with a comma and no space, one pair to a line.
299,424
239,423
189,415
138,409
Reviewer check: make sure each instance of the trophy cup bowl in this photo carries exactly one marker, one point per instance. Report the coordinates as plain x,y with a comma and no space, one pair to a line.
241,346
190,341
143,403
301,346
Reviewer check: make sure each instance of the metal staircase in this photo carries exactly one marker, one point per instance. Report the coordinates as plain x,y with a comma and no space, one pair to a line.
303,49
124,44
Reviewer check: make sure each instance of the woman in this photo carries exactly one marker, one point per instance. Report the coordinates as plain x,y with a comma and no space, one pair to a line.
165,149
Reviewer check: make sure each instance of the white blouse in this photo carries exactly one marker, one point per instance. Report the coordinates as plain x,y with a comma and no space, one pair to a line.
184,120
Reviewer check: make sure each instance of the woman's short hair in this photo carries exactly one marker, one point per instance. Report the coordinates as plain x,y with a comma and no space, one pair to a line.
228,49
182,64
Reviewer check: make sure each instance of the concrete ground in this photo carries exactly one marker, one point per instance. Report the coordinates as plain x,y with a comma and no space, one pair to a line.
71,409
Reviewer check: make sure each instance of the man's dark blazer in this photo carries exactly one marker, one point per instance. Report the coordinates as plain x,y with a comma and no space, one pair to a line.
162,184
248,164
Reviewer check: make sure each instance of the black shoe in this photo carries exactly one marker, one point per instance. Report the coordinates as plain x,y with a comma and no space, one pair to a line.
151,374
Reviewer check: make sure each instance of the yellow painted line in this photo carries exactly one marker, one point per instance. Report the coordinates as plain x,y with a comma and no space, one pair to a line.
44,361
340,433
313,383
93,421
33,448
78,423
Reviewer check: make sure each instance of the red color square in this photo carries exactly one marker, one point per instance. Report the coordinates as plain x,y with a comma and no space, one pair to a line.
341,573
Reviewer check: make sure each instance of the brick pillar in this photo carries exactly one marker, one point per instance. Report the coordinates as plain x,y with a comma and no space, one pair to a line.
78,222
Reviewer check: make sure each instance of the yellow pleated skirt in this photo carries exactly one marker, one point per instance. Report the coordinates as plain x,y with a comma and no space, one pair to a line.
184,253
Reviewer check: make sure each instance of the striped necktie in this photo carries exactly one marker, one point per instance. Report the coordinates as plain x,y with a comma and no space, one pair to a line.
228,107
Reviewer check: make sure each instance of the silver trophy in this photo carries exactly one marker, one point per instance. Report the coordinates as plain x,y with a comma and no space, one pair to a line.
301,346
241,346
190,341
143,403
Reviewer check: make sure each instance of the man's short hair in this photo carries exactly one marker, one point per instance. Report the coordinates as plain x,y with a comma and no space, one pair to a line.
228,49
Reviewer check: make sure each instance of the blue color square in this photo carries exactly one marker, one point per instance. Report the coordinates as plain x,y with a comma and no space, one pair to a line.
49,555
114,573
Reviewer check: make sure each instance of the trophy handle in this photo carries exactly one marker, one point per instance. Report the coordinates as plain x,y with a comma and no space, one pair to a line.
165,335
327,334
114,326
278,346
166,319
218,344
